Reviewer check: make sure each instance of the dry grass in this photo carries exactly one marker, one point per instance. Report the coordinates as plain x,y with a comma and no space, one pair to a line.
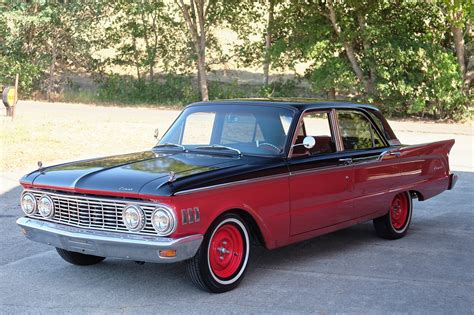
60,132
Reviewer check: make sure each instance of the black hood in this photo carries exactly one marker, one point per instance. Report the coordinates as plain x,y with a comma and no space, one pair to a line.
145,173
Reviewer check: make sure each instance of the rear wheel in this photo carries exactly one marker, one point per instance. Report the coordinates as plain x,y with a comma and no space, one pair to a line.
395,223
221,261
78,258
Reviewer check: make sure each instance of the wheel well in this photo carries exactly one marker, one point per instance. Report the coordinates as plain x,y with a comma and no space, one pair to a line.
416,194
256,234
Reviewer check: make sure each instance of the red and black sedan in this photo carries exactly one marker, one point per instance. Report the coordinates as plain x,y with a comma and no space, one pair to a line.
228,174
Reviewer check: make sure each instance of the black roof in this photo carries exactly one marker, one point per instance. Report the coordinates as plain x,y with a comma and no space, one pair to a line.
297,103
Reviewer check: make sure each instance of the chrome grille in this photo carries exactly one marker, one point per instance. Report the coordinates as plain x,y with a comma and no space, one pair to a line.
94,213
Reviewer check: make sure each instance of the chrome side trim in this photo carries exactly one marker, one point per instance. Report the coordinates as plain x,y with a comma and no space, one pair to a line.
314,170
109,244
355,162
240,182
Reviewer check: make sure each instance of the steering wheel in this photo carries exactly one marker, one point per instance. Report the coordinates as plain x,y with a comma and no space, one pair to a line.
272,146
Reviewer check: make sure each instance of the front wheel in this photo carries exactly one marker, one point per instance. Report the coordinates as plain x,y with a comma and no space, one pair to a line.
395,223
78,258
221,261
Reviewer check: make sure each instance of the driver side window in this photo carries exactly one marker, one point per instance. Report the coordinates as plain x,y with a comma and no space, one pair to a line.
317,125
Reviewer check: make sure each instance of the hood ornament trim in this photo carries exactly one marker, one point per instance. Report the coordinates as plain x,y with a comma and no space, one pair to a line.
171,177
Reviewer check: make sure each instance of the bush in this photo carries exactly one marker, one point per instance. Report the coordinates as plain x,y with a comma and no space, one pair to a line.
29,74
167,89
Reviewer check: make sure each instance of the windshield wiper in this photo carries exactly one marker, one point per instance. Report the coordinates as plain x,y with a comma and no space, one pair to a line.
217,147
169,144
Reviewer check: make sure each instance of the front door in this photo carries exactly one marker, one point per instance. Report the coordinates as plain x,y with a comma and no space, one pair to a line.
321,189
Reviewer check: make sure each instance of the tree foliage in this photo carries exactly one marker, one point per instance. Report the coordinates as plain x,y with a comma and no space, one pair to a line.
409,57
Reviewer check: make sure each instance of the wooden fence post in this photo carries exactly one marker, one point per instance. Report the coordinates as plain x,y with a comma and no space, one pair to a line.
16,96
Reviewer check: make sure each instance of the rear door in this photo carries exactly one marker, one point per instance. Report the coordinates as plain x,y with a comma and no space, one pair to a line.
375,164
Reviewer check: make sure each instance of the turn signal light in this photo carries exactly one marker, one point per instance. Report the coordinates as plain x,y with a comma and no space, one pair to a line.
168,253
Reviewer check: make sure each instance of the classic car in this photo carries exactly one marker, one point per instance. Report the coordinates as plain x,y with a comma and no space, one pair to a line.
228,175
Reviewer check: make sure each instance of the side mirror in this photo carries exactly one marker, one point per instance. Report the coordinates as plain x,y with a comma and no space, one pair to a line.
157,133
309,142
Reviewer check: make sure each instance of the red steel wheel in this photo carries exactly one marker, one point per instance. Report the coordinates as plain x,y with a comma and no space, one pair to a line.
221,261
226,251
395,223
399,211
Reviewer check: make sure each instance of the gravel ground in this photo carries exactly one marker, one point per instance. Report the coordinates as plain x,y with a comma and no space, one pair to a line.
349,271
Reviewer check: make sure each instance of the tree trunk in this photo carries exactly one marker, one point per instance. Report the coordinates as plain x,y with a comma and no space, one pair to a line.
268,44
368,87
202,51
150,52
52,67
365,43
136,60
331,94
459,46
198,39
460,55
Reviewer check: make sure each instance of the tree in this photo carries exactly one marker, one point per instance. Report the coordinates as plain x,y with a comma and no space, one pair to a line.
268,41
459,16
368,82
195,14
143,33
50,36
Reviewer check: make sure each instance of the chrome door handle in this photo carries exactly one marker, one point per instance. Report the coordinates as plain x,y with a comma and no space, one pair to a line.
346,161
389,153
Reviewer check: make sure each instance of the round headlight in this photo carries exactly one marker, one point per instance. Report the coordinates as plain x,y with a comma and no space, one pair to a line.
134,218
28,203
164,221
46,206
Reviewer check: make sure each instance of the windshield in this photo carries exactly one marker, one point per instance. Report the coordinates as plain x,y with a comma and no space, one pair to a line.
231,129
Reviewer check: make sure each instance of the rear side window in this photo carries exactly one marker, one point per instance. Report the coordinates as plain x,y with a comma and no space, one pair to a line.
357,132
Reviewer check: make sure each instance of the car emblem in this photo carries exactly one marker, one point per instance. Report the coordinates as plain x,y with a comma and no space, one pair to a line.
125,189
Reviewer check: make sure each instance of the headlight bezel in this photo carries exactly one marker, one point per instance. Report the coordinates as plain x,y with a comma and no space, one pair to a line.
141,214
51,212
171,215
35,203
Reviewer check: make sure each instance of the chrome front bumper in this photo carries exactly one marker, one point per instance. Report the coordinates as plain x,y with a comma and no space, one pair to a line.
109,244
